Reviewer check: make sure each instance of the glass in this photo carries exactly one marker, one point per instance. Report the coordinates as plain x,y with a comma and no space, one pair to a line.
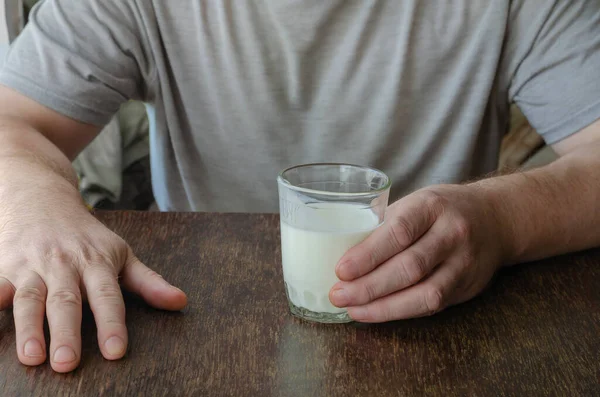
325,210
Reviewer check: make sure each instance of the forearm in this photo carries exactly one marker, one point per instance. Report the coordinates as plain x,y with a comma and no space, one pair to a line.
27,158
547,211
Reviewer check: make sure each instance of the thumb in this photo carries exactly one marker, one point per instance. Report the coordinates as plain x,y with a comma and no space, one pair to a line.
7,293
139,279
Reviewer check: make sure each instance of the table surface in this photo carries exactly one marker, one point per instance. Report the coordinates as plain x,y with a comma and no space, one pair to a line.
535,331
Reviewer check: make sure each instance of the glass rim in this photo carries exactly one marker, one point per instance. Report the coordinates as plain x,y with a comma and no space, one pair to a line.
281,179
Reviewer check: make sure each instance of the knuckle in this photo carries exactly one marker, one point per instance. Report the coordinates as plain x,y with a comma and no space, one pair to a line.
58,260
90,256
401,274
108,289
401,233
57,254
65,297
109,303
414,267
376,257
434,201
64,333
434,300
101,273
113,321
30,294
106,295
462,228
371,291
112,253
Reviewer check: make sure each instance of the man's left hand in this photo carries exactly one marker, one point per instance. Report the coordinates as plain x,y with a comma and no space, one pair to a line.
439,246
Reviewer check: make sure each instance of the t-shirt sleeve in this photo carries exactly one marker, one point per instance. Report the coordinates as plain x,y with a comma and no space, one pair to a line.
556,79
81,58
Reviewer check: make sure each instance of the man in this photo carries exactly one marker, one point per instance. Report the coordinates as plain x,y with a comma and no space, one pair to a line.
239,90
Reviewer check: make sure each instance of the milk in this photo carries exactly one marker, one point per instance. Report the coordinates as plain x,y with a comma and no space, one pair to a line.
313,246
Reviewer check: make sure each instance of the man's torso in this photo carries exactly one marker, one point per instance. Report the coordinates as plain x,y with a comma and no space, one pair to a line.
244,91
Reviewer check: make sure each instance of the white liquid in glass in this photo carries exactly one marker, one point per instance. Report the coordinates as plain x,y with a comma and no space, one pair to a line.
310,253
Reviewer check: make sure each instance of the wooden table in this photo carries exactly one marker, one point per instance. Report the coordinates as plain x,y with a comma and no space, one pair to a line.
536,331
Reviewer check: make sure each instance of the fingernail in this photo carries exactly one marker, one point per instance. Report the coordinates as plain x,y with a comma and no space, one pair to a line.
340,269
114,346
168,284
338,266
358,313
33,348
345,270
64,354
340,297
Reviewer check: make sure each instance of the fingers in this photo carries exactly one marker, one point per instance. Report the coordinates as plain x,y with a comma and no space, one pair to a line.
106,301
28,310
151,286
406,221
7,293
63,309
423,299
399,272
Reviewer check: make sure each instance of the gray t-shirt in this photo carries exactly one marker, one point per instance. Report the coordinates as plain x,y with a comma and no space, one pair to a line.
238,90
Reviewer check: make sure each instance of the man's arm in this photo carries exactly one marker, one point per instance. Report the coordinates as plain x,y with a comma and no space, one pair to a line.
441,245
66,253
40,127
75,60
553,209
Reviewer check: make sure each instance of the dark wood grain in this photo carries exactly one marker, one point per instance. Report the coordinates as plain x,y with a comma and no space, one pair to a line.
536,331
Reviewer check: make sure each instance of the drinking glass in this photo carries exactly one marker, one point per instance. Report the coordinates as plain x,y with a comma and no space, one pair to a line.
325,210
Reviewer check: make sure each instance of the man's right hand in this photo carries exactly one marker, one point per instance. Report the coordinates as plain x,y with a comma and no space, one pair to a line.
53,253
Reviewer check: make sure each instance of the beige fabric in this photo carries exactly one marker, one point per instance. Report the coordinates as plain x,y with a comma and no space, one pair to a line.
11,20
4,37
11,23
123,142
520,143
